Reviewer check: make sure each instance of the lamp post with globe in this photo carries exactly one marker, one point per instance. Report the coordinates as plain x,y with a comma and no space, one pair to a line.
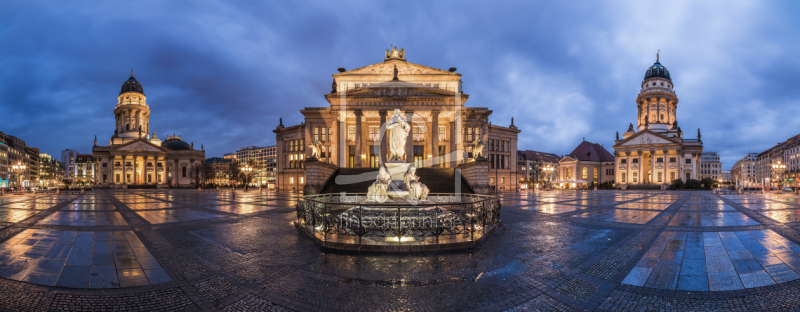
246,170
778,168
19,169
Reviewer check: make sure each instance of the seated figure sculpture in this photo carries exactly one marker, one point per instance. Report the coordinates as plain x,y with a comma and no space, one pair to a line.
377,192
416,190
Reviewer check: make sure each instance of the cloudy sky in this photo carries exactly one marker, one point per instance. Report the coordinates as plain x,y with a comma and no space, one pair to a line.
221,73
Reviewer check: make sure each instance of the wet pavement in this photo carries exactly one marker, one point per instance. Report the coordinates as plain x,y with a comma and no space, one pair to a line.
555,251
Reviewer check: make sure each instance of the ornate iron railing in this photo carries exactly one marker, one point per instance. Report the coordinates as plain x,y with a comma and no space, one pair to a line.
464,217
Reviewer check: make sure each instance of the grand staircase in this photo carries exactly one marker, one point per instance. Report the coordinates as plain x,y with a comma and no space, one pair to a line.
358,180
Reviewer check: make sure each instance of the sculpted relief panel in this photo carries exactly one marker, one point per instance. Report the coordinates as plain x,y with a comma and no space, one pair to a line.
402,69
140,147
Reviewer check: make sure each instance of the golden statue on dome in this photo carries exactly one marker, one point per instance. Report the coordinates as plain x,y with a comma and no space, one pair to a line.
395,54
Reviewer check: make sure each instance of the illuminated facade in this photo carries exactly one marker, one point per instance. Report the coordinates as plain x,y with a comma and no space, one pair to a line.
136,158
590,163
350,128
655,152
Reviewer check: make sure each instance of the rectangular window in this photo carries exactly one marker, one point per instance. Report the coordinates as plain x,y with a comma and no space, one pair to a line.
105,178
316,134
659,160
689,161
442,133
659,177
374,133
105,165
584,173
418,134
623,161
351,133
491,160
117,178
635,161
673,160
149,178
502,180
595,173
127,163
635,177
623,177
128,177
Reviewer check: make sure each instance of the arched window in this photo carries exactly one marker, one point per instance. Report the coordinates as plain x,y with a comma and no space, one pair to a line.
595,173
184,171
127,127
585,173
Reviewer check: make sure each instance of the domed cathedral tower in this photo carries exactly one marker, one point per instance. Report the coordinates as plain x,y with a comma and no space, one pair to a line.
135,157
655,153
657,101
132,114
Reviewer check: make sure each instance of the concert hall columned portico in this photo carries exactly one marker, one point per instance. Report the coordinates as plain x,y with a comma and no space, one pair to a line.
350,129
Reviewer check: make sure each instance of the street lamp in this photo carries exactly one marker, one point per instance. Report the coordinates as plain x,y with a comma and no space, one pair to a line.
779,168
246,170
19,169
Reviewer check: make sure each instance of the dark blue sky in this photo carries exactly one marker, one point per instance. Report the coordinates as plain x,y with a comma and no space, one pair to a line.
221,73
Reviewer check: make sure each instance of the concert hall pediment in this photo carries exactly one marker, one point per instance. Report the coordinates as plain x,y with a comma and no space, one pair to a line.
403,68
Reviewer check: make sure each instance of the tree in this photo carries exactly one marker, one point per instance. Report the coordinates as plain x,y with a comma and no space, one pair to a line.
197,173
254,170
233,173
708,183
693,184
677,184
209,175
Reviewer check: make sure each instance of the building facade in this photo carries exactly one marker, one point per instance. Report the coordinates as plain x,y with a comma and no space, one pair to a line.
588,164
266,160
710,166
791,157
218,171
136,158
351,129
656,152
743,172
51,171
84,170
68,160
726,176
18,152
4,164
533,163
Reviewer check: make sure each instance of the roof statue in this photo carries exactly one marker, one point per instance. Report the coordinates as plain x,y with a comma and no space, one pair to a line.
617,135
95,140
395,54
646,122
659,51
395,74
280,120
333,86
630,127
698,133
512,121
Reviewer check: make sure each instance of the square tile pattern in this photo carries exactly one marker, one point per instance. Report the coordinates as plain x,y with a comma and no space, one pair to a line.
79,259
717,261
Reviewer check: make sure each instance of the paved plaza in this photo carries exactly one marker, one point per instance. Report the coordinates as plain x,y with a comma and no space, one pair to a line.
555,251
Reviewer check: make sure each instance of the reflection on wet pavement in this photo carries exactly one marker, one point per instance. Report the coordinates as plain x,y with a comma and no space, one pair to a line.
717,261
84,219
620,215
711,219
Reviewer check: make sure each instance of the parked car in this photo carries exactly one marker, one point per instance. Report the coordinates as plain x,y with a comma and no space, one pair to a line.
787,189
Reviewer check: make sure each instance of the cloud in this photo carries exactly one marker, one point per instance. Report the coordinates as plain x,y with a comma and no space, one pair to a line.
221,73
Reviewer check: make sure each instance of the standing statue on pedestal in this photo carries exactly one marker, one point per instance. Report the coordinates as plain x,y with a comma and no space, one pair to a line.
415,189
377,192
398,134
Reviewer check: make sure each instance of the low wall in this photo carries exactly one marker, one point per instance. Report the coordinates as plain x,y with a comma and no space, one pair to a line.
477,175
317,173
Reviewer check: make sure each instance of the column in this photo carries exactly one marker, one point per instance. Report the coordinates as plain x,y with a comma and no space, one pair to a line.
384,136
124,170
357,156
435,138
452,155
641,169
410,137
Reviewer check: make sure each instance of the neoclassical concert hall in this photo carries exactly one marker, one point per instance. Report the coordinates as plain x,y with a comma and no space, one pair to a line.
350,127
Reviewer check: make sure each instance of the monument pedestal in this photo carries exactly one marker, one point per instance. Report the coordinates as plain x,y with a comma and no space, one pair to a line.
397,189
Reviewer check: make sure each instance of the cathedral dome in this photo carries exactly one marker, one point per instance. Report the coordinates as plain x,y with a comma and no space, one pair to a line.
657,71
176,144
132,86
